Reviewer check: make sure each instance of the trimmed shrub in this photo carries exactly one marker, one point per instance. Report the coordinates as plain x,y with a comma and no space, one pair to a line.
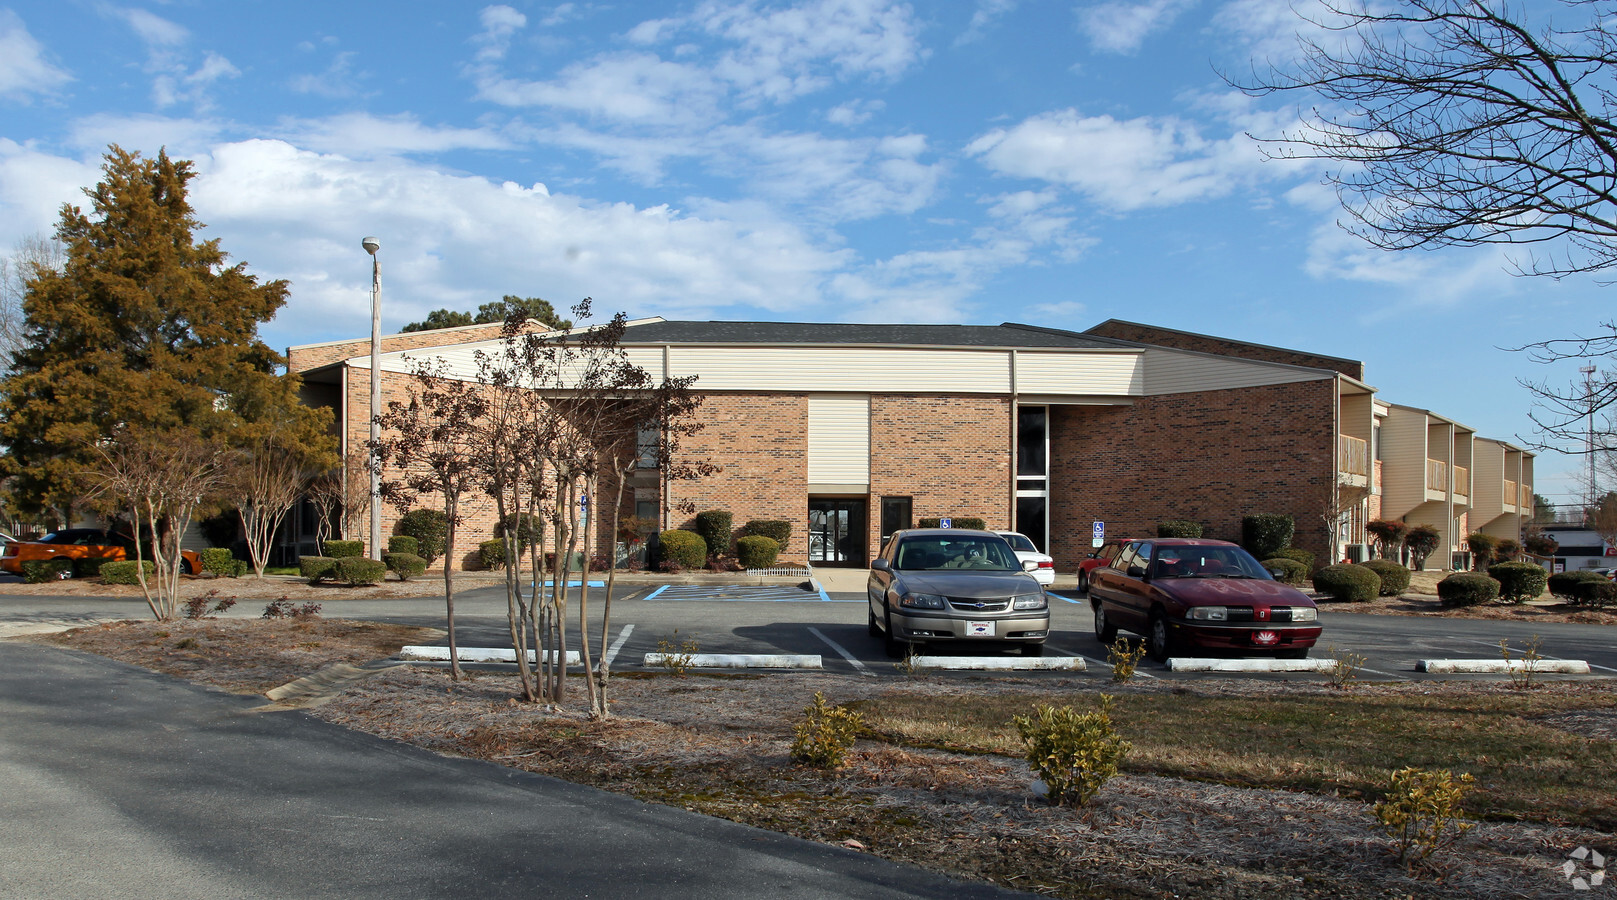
403,543
714,527
219,561
1481,545
1179,528
1600,594
430,528
1565,585
1389,535
684,548
1422,541
1264,535
39,571
343,549
1306,557
1507,550
357,570
122,571
492,553
756,551
1394,577
1074,753
405,565
91,567
1467,589
777,530
1347,583
317,568
1519,582
1291,571
972,522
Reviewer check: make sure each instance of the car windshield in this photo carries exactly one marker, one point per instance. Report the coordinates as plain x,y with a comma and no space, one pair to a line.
1020,542
976,553
1206,562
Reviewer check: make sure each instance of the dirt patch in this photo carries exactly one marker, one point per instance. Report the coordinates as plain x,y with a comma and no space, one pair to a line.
719,745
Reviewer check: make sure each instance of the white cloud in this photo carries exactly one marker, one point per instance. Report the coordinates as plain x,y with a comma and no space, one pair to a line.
854,112
23,69
987,14
146,133
786,53
628,87
499,24
361,135
1121,27
33,187
173,80
155,30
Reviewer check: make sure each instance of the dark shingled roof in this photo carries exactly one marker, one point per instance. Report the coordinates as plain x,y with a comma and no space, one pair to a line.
1007,335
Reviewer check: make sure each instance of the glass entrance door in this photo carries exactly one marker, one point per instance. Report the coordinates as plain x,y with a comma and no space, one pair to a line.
837,532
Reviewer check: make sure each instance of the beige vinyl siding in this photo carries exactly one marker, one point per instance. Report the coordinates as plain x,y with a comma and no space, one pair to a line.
1080,373
1403,451
843,369
839,441
1175,372
1487,479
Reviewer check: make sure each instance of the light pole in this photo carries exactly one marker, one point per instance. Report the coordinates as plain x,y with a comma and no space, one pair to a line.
372,245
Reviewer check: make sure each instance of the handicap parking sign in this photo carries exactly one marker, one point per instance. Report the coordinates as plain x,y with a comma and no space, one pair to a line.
946,523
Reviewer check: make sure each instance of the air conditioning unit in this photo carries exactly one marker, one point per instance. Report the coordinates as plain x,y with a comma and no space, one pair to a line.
1358,552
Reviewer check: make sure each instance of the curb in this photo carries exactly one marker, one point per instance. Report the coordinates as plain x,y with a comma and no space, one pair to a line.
1500,666
732,661
1197,664
480,655
1001,663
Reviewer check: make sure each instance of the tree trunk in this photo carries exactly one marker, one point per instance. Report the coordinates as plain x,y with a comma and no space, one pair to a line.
451,510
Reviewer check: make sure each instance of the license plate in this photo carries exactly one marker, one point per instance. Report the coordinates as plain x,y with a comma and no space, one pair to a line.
979,629
1265,637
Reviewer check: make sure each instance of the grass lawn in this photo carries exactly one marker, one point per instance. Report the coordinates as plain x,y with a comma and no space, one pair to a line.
1346,743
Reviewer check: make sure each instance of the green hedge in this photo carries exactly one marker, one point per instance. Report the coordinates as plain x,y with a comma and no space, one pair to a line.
1179,528
343,549
1306,557
1467,589
1347,583
685,548
1291,571
1597,594
492,553
430,528
219,561
713,526
1394,577
357,570
1564,585
39,571
1264,535
90,567
1519,582
405,565
756,551
403,543
317,568
123,571
777,530
972,522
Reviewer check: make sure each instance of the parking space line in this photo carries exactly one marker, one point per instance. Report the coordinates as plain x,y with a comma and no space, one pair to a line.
744,593
612,651
653,594
843,653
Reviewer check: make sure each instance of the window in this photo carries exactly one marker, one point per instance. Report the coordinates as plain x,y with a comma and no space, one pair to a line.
896,515
646,509
647,444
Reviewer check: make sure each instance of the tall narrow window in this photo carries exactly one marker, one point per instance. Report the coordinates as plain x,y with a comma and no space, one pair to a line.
1033,473
646,445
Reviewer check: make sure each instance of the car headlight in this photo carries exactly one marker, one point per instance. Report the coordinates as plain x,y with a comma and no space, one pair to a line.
1209,613
923,601
1029,601
1304,614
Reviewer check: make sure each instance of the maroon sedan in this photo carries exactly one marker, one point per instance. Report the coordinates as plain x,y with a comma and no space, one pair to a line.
1182,593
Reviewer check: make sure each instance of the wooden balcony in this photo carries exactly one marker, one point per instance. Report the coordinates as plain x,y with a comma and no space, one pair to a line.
1462,481
1512,494
1353,455
1437,475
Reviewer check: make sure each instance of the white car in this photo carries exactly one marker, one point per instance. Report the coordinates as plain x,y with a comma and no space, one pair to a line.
1043,569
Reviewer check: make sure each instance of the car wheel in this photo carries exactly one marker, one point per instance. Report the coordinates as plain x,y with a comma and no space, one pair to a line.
66,572
1105,631
1033,649
1159,643
1083,581
896,649
872,625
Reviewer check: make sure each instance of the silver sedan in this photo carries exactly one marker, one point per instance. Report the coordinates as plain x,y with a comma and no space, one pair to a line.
945,584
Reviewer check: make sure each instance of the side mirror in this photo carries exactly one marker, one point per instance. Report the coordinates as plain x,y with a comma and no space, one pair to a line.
1275,572
1136,571
880,565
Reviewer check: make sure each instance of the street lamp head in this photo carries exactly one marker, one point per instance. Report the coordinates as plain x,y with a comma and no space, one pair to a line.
371,245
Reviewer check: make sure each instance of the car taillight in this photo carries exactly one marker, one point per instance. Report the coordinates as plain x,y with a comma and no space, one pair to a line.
1046,564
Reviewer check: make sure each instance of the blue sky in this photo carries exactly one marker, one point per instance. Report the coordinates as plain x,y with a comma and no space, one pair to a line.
1055,163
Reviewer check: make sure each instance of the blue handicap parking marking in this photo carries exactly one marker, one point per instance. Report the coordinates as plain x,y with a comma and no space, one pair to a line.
745,593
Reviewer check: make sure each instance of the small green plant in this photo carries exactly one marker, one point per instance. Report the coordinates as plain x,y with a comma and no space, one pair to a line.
218,561
491,553
1467,589
1394,577
1073,753
684,548
1124,656
1519,582
825,735
122,571
317,568
973,522
910,666
1522,675
430,528
676,654
357,570
1306,557
1345,669
403,543
405,565
1264,535
1564,585
1422,812
1348,583
754,551
343,549
39,571
1596,594
197,607
714,527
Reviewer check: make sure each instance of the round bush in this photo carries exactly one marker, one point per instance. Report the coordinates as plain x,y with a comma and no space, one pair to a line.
1519,582
430,528
1179,528
344,549
756,551
1266,534
1564,585
685,548
219,561
1394,577
357,570
122,571
1467,589
777,530
1306,557
1291,571
405,565
1347,583
492,554
317,568
403,543
713,526
1597,594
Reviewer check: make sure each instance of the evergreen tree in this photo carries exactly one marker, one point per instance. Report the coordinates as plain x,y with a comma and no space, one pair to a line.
498,311
142,326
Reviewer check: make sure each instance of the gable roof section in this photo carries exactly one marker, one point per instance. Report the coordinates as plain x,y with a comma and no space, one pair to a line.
777,333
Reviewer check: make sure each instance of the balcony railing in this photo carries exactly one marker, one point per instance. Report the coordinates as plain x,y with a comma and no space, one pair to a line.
1353,455
1527,499
1513,493
1462,481
1437,475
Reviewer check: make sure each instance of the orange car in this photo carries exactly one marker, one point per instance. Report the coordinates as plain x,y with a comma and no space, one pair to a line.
81,543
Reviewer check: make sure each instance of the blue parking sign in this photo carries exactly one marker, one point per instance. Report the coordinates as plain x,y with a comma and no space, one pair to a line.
1100,530
946,523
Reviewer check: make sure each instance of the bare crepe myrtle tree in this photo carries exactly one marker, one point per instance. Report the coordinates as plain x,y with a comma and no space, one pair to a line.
342,496
428,449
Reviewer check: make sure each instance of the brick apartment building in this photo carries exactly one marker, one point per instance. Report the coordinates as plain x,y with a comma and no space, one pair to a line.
853,431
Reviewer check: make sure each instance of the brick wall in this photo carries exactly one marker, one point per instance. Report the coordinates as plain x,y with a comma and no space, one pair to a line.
1210,457
302,359
1202,343
761,443
951,455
